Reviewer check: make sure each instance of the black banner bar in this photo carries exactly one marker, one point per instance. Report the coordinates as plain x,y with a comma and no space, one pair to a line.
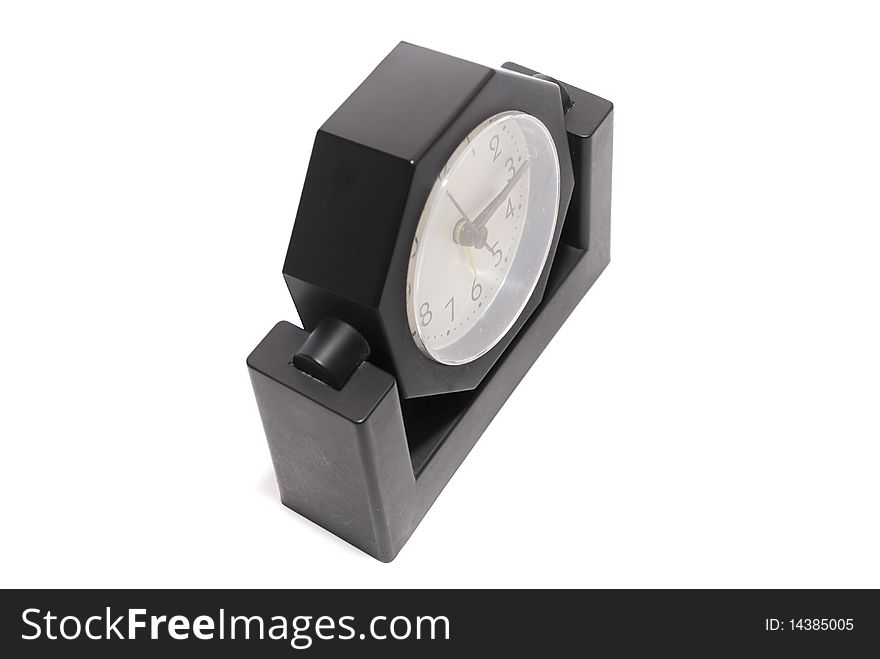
289,623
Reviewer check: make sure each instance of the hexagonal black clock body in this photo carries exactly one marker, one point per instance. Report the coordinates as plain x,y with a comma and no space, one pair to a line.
371,171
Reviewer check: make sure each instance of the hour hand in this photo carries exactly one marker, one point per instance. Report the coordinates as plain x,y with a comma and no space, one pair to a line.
458,207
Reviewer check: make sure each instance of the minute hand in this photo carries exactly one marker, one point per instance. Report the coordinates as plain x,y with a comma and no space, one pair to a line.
495,204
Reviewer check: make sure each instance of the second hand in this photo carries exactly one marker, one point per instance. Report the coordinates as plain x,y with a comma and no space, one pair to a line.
467,250
470,258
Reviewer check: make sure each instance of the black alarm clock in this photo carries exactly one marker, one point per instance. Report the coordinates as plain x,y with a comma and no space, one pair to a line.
451,218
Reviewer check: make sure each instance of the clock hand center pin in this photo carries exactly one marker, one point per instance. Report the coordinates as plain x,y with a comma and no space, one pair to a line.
473,233
464,218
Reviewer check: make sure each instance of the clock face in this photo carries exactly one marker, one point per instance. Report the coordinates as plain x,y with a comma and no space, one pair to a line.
483,238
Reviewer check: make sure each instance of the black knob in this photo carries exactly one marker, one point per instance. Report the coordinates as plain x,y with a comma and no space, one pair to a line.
332,352
566,97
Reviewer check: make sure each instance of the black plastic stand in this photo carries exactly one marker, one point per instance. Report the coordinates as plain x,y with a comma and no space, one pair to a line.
355,458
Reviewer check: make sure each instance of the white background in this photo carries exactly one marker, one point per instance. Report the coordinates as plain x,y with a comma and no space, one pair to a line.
707,417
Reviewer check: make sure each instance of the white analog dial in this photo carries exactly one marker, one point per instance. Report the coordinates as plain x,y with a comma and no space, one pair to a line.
483,238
